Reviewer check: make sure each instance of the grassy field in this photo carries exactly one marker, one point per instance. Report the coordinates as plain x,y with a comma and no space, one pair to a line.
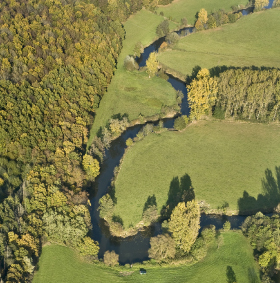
252,40
223,159
179,9
133,92
59,264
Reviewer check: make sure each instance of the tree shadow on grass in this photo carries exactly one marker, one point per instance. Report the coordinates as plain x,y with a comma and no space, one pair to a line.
231,277
180,190
266,201
151,201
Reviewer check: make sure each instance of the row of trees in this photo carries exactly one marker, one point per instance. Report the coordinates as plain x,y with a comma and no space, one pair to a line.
215,19
56,58
247,93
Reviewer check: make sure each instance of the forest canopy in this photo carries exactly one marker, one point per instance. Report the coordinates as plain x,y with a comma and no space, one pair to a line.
56,61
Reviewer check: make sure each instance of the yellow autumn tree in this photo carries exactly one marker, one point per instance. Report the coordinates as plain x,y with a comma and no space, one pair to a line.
91,166
202,94
202,15
152,65
184,224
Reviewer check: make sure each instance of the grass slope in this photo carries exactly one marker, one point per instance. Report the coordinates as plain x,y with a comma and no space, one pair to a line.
222,159
133,92
252,40
179,9
59,264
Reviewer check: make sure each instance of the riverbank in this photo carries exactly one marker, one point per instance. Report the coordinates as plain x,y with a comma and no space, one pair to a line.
161,164
251,41
60,264
133,93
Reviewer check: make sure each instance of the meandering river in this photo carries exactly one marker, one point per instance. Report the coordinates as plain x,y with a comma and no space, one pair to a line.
135,248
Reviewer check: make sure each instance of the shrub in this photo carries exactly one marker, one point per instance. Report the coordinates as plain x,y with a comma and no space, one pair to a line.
106,207
199,249
111,258
226,226
184,21
208,234
180,124
172,38
129,142
162,247
130,63
150,214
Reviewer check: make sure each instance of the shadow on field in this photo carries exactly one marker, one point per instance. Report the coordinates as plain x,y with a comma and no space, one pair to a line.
231,277
151,201
180,190
252,275
266,201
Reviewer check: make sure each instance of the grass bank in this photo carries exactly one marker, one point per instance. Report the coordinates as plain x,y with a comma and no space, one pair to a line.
252,40
133,93
60,264
179,9
222,158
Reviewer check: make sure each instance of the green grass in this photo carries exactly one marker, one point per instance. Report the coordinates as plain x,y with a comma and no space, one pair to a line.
179,9
222,159
134,93
59,264
252,40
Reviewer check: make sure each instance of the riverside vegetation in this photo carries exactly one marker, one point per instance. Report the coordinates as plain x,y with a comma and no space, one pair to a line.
51,89
250,41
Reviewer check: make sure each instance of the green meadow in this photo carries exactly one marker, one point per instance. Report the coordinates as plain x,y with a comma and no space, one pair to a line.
60,264
252,40
133,93
222,158
179,9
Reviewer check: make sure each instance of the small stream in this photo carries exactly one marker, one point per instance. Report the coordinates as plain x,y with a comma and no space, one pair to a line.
135,248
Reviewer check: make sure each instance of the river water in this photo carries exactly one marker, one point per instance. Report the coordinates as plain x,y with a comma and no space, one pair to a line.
135,248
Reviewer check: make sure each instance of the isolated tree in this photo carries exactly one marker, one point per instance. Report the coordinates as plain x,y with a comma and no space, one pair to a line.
202,94
152,65
180,123
184,224
172,38
162,247
111,258
202,16
138,49
162,28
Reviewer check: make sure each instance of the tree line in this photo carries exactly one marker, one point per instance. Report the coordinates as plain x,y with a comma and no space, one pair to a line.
57,59
243,93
